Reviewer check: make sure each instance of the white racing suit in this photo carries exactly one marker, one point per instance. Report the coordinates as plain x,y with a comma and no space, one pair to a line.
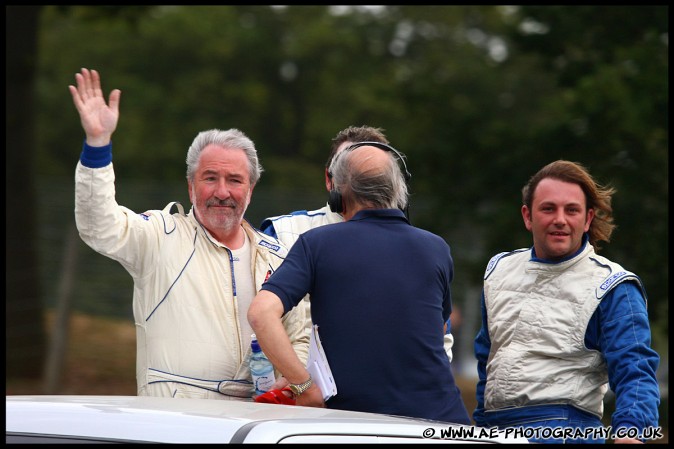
189,341
538,315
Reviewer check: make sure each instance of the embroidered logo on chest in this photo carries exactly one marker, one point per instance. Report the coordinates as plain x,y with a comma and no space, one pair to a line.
269,245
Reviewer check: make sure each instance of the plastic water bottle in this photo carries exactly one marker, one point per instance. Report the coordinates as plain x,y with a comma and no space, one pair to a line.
260,368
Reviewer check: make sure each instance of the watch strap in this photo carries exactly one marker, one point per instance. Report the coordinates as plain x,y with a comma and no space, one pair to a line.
298,389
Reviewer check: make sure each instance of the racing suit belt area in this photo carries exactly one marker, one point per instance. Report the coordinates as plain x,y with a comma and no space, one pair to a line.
538,315
189,341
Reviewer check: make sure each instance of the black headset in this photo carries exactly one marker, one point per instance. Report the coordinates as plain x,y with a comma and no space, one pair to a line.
335,197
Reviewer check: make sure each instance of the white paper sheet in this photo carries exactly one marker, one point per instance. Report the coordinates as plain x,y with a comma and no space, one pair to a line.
318,367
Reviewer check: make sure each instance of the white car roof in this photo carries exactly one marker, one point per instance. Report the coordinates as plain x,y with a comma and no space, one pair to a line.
177,420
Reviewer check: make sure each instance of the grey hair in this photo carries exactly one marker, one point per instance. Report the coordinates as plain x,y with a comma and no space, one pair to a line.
231,139
384,189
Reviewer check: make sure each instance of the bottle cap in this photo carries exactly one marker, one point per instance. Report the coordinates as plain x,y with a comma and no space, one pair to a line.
254,345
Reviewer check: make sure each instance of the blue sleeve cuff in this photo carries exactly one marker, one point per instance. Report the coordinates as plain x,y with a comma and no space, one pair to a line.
96,157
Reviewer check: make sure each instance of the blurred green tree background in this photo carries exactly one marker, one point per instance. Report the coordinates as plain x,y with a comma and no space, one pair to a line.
478,98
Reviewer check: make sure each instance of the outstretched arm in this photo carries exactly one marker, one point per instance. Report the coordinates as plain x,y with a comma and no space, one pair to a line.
99,119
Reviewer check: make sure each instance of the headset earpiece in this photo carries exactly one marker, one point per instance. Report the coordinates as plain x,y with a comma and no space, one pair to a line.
335,202
335,197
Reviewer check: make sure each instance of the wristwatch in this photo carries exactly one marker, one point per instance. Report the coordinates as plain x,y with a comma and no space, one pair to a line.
298,389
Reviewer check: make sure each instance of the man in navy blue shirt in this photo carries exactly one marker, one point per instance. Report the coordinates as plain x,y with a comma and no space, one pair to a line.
380,295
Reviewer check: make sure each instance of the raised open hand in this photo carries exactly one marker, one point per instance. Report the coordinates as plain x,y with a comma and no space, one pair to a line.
99,119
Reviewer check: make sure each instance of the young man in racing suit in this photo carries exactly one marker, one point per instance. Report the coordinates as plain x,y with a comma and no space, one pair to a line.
561,323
